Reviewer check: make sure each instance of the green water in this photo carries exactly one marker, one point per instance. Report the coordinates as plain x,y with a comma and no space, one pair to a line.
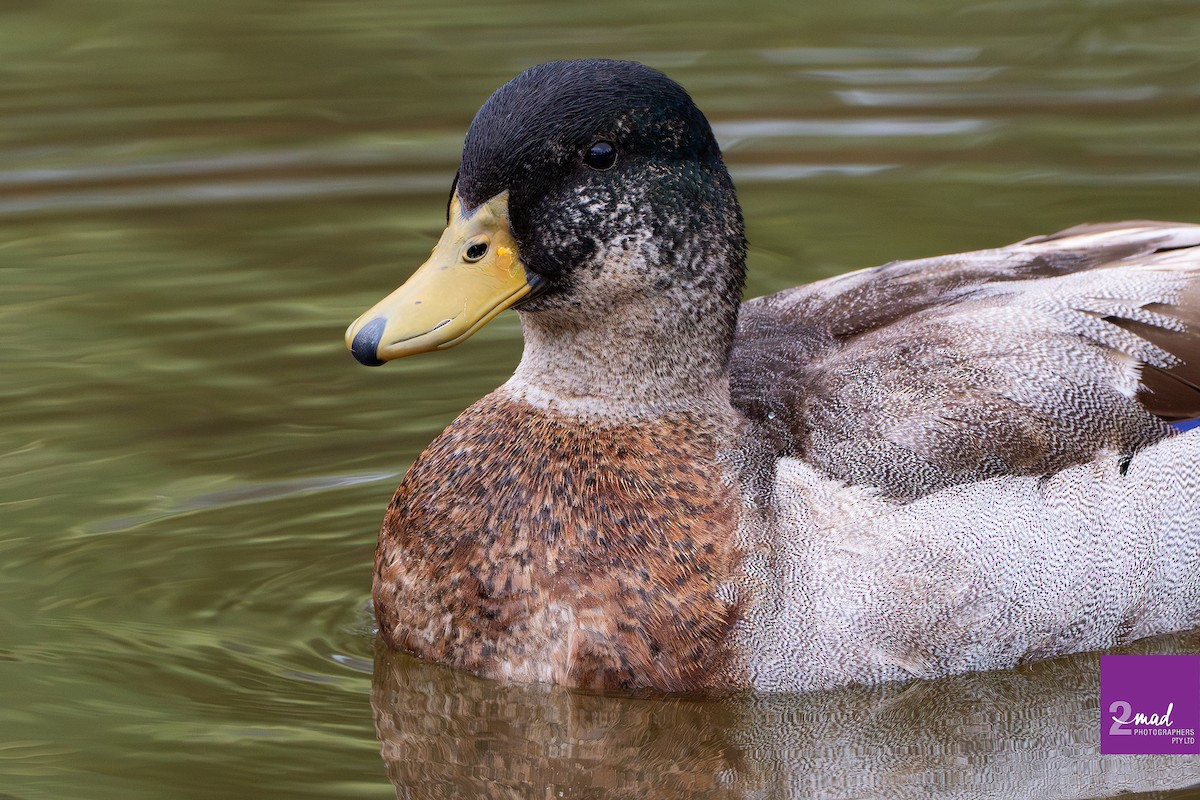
196,198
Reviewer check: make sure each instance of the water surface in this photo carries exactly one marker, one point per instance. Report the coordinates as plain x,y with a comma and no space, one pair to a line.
195,199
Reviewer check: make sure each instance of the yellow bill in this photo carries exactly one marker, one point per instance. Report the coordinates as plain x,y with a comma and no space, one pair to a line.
473,275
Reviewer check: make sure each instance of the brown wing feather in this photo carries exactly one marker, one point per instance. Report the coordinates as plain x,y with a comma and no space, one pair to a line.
1173,394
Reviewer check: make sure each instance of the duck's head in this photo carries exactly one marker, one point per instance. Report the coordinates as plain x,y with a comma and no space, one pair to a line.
590,193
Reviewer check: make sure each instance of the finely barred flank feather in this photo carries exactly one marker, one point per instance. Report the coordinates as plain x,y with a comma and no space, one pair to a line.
860,589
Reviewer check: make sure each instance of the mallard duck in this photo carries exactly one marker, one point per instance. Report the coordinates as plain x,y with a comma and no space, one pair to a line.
924,468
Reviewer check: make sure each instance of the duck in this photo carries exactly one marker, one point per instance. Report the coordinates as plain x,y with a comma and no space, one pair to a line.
935,466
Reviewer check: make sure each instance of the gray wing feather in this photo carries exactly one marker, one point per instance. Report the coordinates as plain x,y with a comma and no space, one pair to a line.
1023,360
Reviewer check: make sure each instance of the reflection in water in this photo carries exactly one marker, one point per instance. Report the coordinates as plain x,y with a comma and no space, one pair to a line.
1032,732
446,734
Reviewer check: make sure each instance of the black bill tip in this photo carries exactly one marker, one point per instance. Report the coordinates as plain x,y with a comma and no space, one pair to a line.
366,344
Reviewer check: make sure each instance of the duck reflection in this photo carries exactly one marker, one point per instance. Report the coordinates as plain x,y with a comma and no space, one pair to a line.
1032,732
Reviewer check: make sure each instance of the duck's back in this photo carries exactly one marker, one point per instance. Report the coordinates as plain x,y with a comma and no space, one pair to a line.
1023,360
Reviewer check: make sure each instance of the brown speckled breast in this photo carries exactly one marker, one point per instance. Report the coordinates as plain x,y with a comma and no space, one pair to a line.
527,545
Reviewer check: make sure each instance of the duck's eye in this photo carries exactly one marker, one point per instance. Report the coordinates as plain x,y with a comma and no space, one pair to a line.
601,155
475,251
